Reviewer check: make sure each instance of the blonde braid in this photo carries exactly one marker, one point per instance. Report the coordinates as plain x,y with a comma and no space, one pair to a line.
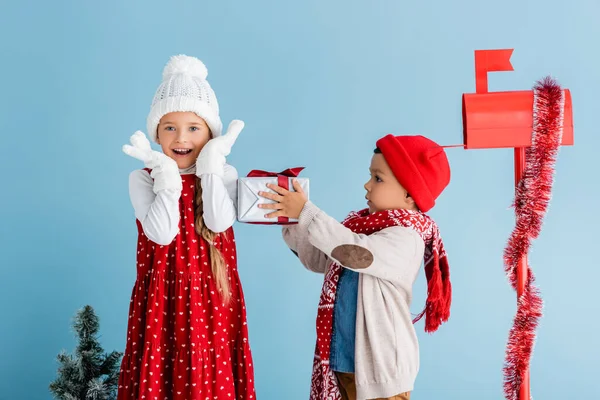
217,262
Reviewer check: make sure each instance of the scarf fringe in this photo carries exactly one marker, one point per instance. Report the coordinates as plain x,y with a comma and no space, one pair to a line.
439,295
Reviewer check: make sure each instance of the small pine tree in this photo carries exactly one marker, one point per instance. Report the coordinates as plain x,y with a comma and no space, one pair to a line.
89,374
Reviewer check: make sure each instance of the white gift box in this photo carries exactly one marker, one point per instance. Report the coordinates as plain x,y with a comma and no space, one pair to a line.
249,199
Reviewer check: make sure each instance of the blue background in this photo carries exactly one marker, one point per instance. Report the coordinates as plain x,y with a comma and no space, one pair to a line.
317,82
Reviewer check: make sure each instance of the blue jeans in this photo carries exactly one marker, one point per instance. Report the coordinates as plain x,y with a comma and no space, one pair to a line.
344,323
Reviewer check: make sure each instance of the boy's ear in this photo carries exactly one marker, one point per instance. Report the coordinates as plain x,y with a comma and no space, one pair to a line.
411,201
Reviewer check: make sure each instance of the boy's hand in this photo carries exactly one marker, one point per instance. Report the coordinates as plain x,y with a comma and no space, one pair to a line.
288,204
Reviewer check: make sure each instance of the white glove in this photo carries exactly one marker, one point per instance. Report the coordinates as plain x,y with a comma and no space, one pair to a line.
212,157
165,171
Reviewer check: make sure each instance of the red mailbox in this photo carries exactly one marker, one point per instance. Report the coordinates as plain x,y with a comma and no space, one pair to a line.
502,119
506,120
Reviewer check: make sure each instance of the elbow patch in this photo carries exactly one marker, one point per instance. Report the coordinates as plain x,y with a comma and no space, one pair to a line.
353,256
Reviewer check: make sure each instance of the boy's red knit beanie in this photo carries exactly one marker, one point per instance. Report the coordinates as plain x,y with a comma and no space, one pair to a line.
419,164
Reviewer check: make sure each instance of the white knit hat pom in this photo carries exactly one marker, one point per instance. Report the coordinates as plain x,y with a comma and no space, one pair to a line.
186,65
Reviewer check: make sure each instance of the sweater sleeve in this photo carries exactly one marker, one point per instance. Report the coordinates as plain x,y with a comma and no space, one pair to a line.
158,213
393,254
219,199
296,237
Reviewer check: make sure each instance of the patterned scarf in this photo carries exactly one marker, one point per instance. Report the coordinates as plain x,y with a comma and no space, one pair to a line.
437,308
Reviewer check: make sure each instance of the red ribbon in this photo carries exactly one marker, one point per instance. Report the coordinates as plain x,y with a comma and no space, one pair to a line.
290,173
282,181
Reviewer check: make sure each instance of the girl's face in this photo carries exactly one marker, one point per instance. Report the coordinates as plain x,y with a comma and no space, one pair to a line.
384,192
182,135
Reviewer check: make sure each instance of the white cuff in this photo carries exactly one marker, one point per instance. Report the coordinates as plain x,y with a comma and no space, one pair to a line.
210,163
166,178
307,214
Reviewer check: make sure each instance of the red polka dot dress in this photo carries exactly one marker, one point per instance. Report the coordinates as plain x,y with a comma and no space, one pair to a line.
182,341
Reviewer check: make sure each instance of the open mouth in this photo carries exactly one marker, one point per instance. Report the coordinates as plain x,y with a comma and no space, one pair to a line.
182,152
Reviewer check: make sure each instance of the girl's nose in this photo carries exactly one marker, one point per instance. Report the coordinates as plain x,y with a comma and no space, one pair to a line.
180,138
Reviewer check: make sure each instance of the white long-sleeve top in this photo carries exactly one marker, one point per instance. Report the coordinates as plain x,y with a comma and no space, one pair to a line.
159,213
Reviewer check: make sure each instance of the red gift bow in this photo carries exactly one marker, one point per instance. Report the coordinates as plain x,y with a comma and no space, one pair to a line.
282,181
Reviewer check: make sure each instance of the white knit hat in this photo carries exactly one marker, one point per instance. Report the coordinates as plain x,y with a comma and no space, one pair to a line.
184,88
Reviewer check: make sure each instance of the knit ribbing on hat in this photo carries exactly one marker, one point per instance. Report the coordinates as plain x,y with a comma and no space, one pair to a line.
185,89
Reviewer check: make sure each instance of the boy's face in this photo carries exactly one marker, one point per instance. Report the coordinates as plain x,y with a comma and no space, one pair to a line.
384,192
182,135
